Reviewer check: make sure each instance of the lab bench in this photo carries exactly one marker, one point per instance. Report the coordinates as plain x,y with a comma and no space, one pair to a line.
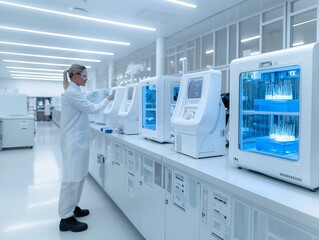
167,195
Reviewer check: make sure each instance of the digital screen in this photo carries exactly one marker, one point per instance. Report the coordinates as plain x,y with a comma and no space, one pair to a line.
175,91
149,107
130,93
40,103
195,88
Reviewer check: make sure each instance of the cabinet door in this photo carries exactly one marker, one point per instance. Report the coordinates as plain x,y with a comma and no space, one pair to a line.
182,209
152,199
215,219
132,187
93,166
115,175
267,227
97,157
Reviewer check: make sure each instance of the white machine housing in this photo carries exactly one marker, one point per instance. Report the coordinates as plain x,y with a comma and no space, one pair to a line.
128,112
303,171
16,131
112,108
92,97
101,95
200,115
158,96
16,127
97,96
13,104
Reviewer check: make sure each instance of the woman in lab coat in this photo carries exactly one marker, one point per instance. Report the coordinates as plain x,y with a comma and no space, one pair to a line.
47,110
75,145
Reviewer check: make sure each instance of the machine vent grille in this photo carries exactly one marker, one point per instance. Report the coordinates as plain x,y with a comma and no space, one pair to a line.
290,177
178,143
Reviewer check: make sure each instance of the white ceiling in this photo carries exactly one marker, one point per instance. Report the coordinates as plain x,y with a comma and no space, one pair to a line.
166,17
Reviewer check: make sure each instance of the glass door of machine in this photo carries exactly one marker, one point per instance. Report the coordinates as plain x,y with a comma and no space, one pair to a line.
269,112
149,107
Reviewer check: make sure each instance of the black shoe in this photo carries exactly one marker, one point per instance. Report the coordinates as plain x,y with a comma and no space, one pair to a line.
73,225
78,212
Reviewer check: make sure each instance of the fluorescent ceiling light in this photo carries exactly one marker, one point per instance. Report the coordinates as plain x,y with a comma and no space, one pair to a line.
254,53
36,76
55,48
40,63
302,23
35,69
64,35
39,73
250,39
48,56
33,78
79,16
209,51
295,44
183,3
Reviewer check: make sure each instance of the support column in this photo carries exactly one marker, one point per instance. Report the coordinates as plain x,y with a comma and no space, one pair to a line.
317,21
111,74
160,56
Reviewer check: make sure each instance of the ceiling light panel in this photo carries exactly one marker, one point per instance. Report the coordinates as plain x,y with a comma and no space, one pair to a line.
64,35
116,23
36,73
39,63
34,78
183,3
56,48
35,69
48,56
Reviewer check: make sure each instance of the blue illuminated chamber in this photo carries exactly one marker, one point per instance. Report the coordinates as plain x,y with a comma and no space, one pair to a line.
149,107
269,112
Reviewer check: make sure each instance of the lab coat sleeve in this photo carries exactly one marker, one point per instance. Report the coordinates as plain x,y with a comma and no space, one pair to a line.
80,102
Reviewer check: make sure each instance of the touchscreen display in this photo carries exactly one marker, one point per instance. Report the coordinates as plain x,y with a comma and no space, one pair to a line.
195,88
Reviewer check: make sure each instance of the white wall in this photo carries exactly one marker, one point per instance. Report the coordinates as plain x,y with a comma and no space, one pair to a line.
32,88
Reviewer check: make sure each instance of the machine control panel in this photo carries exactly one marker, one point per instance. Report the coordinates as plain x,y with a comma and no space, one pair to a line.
189,113
179,191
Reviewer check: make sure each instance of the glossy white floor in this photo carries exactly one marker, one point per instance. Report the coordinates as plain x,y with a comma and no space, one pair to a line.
29,190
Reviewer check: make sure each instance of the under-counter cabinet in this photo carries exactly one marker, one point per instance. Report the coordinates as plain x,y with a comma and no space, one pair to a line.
182,205
152,198
169,196
114,174
132,186
99,154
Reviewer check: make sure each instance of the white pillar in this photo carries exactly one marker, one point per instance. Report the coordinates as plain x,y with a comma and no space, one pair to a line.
111,74
317,21
160,56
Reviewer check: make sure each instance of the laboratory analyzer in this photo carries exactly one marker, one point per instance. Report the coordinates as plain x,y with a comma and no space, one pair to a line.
199,116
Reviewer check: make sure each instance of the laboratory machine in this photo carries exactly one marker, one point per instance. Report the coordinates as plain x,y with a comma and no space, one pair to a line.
12,104
274,114
16,126
157,103
128,112
16,131
92,97
112,108
199,116
102,93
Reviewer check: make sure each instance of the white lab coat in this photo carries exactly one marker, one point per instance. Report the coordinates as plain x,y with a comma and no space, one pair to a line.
47,108
75,132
